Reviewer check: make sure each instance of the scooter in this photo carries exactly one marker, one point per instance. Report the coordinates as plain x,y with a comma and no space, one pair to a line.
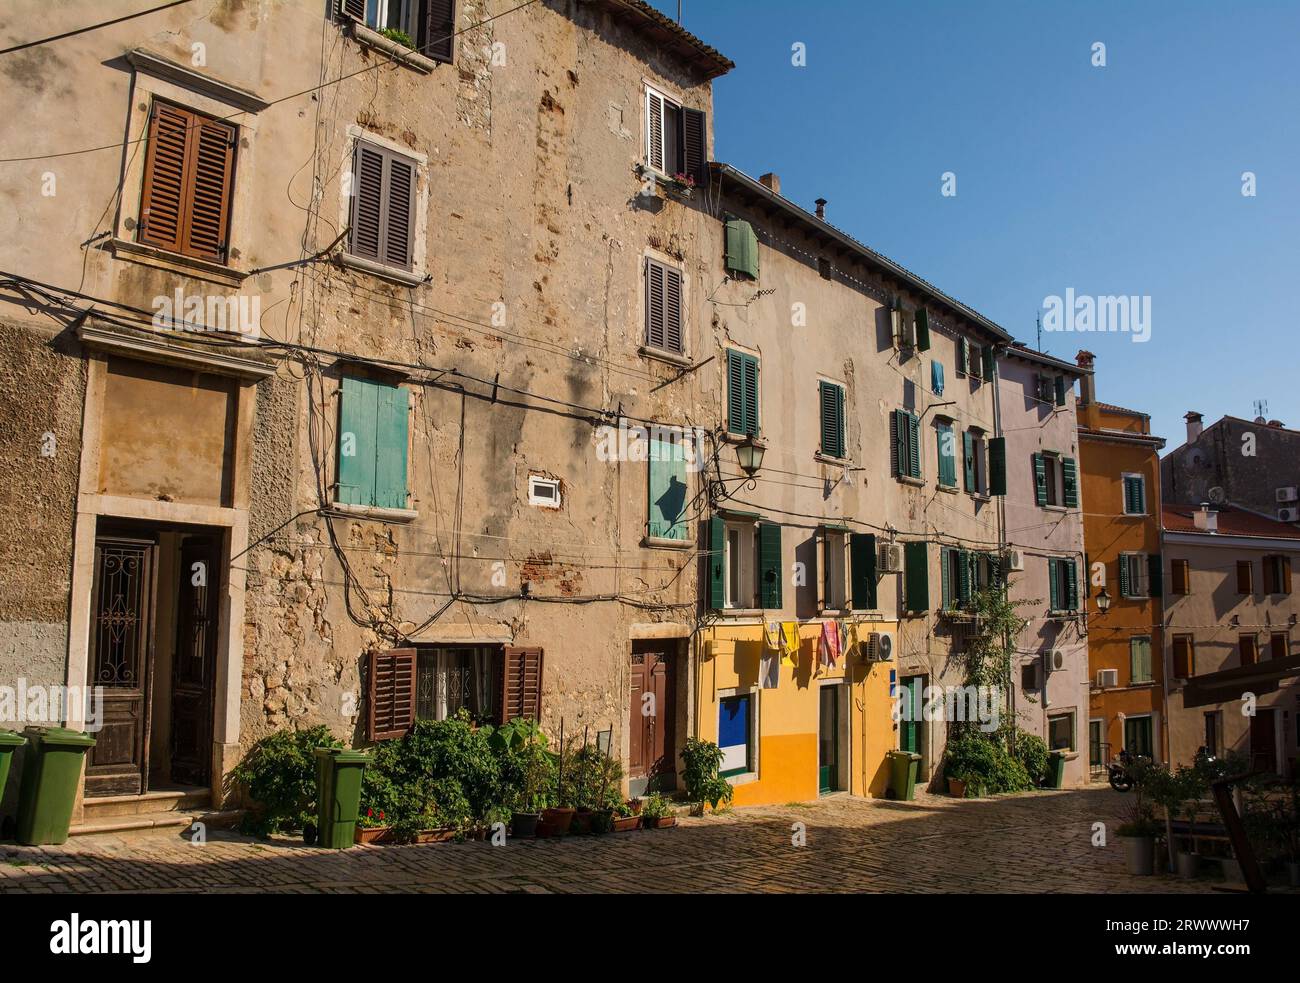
1118,773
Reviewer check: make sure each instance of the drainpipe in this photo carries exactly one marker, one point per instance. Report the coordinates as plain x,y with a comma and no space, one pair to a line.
1002,521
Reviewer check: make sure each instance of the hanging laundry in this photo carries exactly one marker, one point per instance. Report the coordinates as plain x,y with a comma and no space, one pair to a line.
831,643
772,635
790,643
769,669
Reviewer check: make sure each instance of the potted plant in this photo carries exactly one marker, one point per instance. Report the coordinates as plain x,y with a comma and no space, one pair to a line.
625,818
956,784
703,784
527,776
657,813
372,826
1140,831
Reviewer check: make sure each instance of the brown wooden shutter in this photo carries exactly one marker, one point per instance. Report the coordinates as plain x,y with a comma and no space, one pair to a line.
367,202
1245,583
1270,578
390,704
673,311
398,227
1183,657
654,304
1285,563
1249,649
163,213
213,149
1180,570
440,30
694,144
521,684
1277,646
353,9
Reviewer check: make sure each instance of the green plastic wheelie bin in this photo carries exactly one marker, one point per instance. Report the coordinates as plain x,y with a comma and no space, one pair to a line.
9,743
902,774
1056,770
338,795
51,772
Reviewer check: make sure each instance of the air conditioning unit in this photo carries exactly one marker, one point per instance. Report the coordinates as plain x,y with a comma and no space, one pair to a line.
1287,494
1288,515
890,559
1013,560
904,328
881,647
1107,678
1054,660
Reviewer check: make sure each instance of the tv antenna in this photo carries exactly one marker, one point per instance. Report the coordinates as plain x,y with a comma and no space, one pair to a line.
1261,407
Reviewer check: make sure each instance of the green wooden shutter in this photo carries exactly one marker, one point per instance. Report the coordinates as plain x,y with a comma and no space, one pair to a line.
998,466
945,577
1040,480
1071,585
1060,390
752,421
916,588
735,392
1155,575
914,445
358,416
1053,585
832,414
968,459
667,487
1123,577
862,570
922,329
963,356
1070,479
717,563
990,363
769,564
897,442
742,248
963,578
393,414
947,448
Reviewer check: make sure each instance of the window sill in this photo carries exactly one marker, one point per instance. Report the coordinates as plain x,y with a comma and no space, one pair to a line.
740,613
681,361
981,497
743,779
663,543
398,52
1055,508
946,489
404,277
139,252
669,184
839,462
909,480
1063,614
374,512
740,438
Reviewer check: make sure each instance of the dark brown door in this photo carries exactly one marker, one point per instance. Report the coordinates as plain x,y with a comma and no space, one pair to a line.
652,712
194,669
1263,742
120,658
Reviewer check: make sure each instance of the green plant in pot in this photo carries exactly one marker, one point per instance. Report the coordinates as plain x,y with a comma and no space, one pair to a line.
528,781
279,777
657,812
702,760
1138,833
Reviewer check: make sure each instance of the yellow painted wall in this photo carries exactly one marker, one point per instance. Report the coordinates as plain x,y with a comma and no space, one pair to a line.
788,715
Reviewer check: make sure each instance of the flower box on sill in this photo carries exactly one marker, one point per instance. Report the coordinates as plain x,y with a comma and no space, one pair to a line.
384,835
680,186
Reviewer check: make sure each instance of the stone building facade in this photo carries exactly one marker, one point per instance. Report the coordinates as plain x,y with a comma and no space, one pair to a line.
1250,464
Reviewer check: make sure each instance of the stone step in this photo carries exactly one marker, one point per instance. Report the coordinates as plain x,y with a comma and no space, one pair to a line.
162,800
168,819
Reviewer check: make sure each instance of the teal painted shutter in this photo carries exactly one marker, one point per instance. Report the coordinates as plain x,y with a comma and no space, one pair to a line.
1155,575
963,578
917,579
667,505
1060,390
990,363
1071,585
750,400
963,356
968,459
769,564
1070,479
862,569
1054,585
998,466
897,446
742,248
832,412
1139,496
1123,577
735,392
945,577
936,377
717,563
1040,480
358,414
922,329
947,455
393,412
914,445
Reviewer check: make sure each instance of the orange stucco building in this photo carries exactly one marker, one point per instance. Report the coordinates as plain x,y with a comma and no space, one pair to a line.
1120,477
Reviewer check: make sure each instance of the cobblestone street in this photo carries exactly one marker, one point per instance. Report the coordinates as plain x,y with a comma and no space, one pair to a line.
1039,842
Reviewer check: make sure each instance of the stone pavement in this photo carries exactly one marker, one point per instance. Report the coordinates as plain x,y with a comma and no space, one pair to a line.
1037,842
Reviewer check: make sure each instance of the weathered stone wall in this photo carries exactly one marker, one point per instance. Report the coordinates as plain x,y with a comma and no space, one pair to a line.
1249,461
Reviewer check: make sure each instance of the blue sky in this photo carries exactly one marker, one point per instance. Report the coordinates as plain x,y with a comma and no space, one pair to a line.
1123,179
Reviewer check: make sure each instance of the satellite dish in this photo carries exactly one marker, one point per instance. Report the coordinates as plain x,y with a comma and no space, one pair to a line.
1261,421
1216,495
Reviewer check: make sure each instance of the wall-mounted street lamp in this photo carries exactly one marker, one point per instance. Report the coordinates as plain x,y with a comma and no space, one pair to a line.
749,454
1103,601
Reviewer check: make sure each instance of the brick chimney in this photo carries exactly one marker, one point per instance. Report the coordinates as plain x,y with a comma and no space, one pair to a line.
1087,388
1206,520
1194,426
771,181
821,208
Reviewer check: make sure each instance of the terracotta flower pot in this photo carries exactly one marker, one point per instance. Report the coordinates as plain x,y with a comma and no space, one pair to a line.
663,822
558,820
582,821
957,788
372,834
524,824
624,823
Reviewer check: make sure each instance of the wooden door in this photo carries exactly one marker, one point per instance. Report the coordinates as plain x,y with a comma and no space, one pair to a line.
828,740
120,660
909,725
1263,742
1138,738
652,712
194,665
